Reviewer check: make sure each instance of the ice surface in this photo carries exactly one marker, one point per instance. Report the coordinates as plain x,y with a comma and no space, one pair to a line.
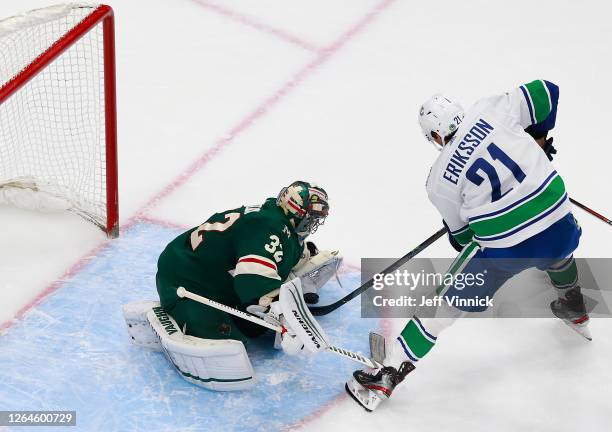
36,250
73,353
190,76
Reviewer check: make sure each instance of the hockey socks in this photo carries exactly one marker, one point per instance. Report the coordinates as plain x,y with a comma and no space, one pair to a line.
569,306
416,339
564,275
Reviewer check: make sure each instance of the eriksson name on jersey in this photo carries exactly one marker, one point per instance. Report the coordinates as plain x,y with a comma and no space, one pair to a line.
459,159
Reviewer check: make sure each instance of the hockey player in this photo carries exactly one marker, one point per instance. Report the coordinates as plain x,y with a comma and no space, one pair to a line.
239,258
500,197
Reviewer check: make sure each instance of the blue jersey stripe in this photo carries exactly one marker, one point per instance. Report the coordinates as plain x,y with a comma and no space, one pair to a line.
524,90
420,324
542,216
516,203
406,351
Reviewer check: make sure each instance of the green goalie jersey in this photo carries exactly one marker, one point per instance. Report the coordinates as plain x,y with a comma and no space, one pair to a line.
235,257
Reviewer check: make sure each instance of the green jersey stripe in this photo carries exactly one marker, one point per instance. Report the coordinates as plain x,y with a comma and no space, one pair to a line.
418,343
541,202
540,98
465,253
459,264
464,237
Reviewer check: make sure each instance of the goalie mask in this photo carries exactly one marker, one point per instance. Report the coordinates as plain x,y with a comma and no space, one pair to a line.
306,206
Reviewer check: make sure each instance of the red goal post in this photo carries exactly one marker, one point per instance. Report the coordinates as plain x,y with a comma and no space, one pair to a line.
59,137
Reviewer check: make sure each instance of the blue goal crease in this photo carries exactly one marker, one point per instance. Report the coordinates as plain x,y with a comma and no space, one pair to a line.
72,353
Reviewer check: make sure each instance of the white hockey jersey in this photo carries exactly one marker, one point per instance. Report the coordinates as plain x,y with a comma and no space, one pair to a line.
492,183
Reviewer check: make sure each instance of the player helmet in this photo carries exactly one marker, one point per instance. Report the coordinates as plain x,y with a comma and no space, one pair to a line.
442,116
306,206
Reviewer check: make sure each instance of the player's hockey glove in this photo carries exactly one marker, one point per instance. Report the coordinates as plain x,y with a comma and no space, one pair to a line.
454,243
548,148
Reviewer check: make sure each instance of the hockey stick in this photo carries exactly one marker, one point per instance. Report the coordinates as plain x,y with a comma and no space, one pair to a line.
324,310
183,293
591,211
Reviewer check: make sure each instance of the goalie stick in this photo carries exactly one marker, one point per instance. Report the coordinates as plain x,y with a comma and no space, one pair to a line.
183,293
324,310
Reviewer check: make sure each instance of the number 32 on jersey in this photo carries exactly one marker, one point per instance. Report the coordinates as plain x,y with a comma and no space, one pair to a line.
197,236
272,247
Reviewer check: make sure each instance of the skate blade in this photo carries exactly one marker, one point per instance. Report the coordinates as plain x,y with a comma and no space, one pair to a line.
582,328
350,393
367,399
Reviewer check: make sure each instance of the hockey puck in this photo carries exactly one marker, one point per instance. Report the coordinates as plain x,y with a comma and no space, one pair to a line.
311,298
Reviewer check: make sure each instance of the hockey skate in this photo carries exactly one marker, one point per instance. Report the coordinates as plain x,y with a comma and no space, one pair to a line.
369,389
572,311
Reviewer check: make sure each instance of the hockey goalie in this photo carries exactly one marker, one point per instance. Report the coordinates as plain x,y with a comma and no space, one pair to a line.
239,258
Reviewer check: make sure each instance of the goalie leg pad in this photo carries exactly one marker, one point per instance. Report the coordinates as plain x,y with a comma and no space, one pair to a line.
138,327
221,365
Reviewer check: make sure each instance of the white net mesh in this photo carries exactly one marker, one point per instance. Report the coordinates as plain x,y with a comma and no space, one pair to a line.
52,130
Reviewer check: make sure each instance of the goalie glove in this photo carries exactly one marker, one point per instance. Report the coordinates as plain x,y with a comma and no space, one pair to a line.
289,342
286,340
314,270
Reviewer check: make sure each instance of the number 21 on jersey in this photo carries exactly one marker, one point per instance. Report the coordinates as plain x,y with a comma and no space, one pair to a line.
481,164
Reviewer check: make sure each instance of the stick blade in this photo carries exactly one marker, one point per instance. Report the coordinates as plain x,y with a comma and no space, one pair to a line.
377,347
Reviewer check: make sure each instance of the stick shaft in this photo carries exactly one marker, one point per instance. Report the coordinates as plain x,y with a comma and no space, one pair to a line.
182,292
208,302
353,356
324,310
591,211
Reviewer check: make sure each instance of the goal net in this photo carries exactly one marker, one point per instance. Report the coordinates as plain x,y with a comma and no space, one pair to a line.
57,112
